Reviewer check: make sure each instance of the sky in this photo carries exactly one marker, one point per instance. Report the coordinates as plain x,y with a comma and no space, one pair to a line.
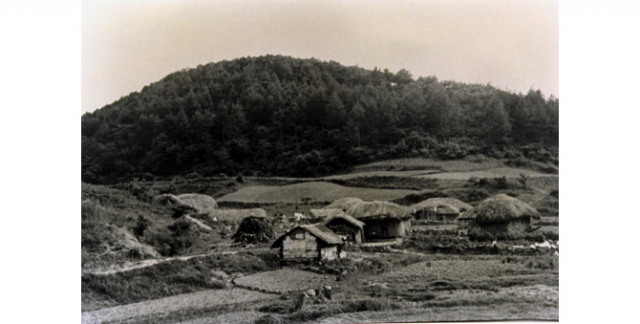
128,44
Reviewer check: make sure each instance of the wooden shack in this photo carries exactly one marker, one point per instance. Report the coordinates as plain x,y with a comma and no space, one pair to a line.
310,242
346,227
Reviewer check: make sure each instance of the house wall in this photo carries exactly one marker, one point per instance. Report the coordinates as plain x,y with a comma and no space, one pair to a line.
384,229
346,229
300,248
515,226
329,252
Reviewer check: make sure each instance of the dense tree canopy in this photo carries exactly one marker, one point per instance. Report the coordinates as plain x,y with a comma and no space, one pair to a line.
276,115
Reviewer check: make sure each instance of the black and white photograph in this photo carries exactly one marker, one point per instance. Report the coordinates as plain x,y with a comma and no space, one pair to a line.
276,162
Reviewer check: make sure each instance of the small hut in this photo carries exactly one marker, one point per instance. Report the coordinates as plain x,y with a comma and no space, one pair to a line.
347,227
499,214
440,209
383,220
344,203
309,242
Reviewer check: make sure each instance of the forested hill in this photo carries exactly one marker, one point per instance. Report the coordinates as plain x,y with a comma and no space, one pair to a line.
276,115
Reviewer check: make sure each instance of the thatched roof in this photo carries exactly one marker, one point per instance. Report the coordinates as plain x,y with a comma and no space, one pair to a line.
435,202
500,209
372,209
317,230
443,210
346,217
202,204
344,203
326,212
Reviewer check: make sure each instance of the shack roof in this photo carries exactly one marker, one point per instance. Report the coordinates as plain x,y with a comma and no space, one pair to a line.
318,230
347,218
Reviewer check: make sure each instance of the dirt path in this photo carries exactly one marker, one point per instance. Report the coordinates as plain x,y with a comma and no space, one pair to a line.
127,266
180,303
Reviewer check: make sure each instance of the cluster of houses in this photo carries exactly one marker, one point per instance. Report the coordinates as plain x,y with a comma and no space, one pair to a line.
353,221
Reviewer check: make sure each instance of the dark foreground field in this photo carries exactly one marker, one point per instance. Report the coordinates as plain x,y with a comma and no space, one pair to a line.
369,287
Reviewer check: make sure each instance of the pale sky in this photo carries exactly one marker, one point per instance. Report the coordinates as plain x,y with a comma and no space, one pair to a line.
127,44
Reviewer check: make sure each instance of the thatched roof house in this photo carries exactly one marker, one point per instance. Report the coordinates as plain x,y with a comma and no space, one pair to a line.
383,219
500,214
309,242
347,227
344,203
440,209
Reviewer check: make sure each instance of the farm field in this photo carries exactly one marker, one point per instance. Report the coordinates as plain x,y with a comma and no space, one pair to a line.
488,173
317,191
284,280
467,164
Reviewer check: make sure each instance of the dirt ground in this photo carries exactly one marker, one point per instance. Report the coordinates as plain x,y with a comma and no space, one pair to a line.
165,306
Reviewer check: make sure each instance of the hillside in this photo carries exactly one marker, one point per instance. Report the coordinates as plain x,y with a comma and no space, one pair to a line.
276,115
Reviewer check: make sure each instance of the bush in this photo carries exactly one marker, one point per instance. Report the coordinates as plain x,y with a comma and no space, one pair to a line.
268,319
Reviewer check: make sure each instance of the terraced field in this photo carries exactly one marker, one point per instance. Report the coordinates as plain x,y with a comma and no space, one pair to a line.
284,280
489,173
316,191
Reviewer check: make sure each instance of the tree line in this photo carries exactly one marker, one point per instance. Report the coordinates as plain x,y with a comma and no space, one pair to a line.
277,115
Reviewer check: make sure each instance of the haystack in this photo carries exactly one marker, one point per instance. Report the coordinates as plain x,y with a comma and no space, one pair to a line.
254,230
344,203
383,219
501,213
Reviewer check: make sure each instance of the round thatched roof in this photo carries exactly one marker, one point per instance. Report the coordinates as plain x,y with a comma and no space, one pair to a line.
344,203
377,208
435,202
500,209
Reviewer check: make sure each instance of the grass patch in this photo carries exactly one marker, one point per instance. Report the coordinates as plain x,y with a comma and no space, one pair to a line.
169,278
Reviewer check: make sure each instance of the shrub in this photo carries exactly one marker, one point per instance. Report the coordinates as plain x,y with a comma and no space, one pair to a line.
268,319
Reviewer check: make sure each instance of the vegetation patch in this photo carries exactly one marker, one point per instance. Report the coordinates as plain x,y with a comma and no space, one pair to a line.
170,278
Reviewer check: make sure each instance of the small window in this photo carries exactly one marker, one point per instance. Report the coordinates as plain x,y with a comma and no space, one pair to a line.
299,236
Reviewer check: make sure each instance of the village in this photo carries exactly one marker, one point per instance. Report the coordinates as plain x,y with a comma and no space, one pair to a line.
326,234
307,261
